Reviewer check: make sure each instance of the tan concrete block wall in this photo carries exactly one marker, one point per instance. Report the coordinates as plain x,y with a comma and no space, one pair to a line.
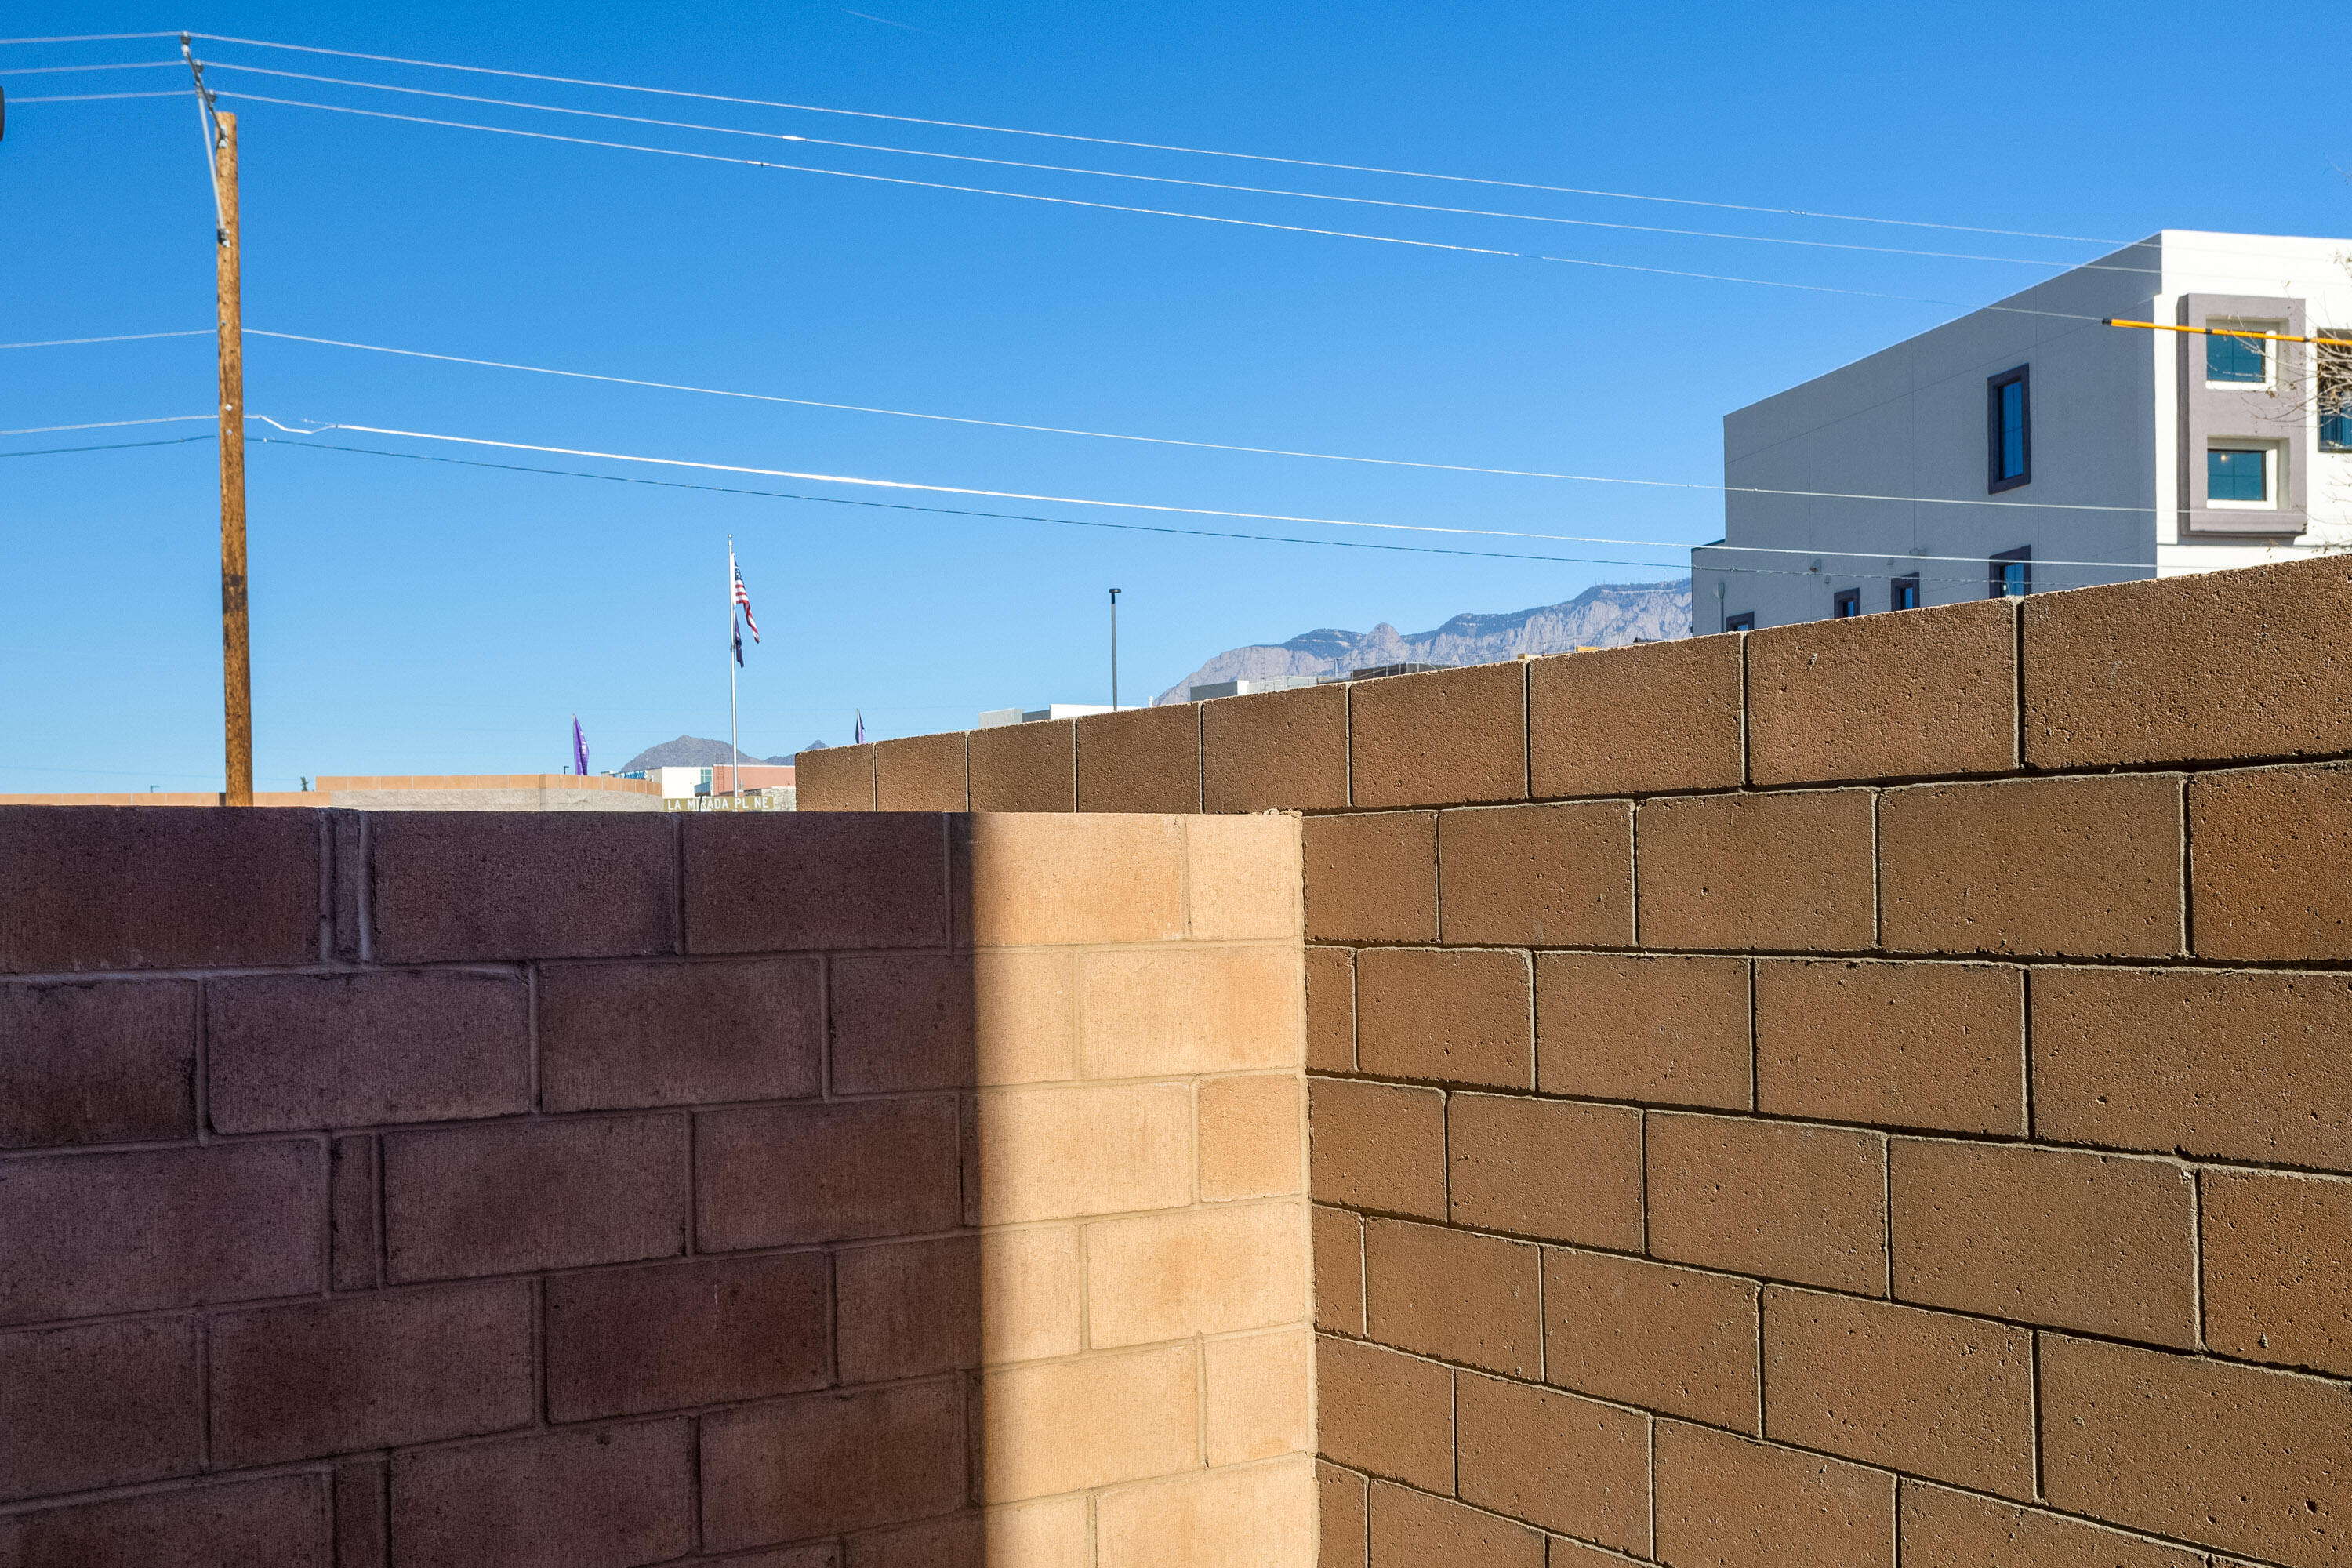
1140,1188
1855,1093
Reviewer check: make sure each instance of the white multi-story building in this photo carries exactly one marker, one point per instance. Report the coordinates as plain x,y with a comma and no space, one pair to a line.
2029,447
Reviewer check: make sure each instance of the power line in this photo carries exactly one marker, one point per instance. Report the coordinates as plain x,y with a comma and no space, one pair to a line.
107,425
101,97
1155,179
91,38
1155,146
1068,521
1175,441
1110,206
1122,505
114,447
53,70
116,338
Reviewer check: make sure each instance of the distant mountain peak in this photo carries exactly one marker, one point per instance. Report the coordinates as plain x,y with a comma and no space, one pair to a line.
1607,615
693,752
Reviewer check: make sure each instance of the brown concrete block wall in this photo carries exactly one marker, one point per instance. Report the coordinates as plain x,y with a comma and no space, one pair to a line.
456,1190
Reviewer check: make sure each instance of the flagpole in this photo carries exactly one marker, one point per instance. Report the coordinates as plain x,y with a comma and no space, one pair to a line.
734,740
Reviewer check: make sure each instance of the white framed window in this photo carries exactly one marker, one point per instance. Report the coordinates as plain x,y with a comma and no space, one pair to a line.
2242,475
2235,363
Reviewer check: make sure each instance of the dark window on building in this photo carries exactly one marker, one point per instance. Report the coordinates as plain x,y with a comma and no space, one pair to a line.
1743,622
2008,429
2231,358
1845,602
1905,594
2335,354
2012,573
2238,474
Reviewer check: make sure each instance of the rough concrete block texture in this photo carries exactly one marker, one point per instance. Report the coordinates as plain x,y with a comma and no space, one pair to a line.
780,1175
276,1523
1786,1201
1260,1396
482,885
1372,878
1748,1505
1330,1009
100,1404
1555,1460
1453,1295
1941,1529
955,1541
1448,1015
1376,1147
2218,666
2240,1459
95,1233
906,1309
296,1051
801,1468
1413,1530
354,1231
1339,1262
2079,866
1188,1009
1666,1339
1537,875
1034,1290
588,1497
1790,870
466,1202
1636,720
618,1037
835,778
2101,1243
1661,1030
331,1377
1922,694
2244,1066
1278,751
704,1332
1341,1498
921,772
91,1062
1079,1149
901,1021
1243,879
1049,1427
1924,1393
362,1529
771,881
1026,1022
1141,759
93,888
1250,1136
1261,1516
1206,1271
2266,873
1384,1413
2275,1250
1897,1045
1102,879
1449,737
1550,1169
1025,767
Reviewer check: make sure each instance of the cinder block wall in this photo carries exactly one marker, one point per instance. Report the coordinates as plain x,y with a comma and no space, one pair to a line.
440,1190
1862,1092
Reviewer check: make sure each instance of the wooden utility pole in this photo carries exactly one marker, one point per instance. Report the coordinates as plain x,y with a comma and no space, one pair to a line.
237,660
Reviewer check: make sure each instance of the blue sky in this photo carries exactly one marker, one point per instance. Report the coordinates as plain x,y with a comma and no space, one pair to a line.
422,616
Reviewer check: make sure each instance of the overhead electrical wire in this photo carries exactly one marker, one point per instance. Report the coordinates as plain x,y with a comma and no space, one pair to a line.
107,423
1178,441
1153,179
117,66
99,96
1075,202
114,338
1065,521
90,37
1150,146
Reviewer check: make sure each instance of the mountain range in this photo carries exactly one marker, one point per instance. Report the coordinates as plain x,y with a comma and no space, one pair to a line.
1605,616
694,751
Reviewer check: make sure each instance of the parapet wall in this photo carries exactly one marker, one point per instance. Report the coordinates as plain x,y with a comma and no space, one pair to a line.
1860,1092
442,1190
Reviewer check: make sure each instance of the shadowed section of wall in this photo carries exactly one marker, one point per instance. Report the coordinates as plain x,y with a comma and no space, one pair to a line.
475,1189
1853,1093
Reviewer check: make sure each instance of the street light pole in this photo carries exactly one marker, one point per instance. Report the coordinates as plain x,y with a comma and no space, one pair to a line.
1114,650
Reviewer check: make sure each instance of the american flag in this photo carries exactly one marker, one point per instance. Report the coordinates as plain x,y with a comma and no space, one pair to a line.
743,598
